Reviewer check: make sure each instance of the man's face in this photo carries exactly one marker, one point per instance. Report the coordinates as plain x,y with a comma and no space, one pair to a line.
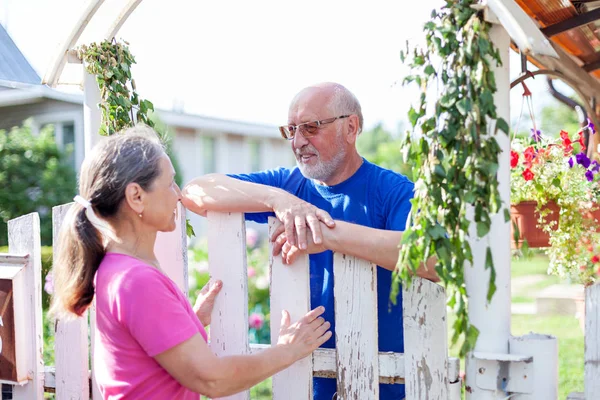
320,156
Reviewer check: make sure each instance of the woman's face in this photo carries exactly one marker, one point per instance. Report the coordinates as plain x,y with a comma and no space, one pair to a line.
162,198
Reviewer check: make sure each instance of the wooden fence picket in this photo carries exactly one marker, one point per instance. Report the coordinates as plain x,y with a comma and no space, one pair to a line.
227,262
71,349
426,341
24,238
290,290
355,291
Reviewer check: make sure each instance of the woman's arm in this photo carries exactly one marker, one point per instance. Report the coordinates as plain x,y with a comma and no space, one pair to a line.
194,365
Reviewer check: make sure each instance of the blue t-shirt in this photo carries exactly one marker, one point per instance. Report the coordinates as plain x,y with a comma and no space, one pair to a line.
373,197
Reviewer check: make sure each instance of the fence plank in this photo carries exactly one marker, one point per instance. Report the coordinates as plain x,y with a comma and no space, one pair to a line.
96,395
425,339
171,251
290,290
355,290
592,345
227,262
71,337
24,238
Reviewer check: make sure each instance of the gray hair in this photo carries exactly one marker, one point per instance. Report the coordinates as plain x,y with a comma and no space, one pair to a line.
132,156
344,102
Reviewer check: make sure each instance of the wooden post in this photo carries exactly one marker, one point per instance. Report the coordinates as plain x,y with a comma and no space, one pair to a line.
592,346
71,337
24,238
227,262
355,290
425,340
171,250
290,290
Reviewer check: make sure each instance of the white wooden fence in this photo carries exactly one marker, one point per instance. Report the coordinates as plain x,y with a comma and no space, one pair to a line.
356,364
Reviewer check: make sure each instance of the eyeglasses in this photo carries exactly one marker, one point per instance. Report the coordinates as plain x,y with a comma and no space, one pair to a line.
308,129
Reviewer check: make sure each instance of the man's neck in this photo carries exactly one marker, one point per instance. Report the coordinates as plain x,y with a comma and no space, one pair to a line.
348,169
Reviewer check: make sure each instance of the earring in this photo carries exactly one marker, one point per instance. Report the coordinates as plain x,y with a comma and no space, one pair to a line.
140,214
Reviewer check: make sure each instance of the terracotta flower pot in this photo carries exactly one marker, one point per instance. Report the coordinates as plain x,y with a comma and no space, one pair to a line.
524,217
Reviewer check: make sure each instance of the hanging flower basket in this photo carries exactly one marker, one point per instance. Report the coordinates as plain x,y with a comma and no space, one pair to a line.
524,224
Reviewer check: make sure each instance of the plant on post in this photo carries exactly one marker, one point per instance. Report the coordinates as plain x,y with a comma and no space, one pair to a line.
111,63
456,153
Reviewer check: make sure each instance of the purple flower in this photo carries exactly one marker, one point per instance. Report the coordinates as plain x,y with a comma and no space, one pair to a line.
595,166
570,162
591,126
536,135
589,175
583,160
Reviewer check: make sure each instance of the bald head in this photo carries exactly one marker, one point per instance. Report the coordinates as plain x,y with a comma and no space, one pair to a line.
333,96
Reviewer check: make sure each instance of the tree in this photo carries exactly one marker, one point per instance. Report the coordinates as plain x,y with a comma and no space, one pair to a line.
380,147
34,176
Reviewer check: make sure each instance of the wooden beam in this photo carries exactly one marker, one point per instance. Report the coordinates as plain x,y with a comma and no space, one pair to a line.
571,23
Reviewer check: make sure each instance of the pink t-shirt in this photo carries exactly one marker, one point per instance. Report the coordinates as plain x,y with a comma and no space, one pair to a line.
139,313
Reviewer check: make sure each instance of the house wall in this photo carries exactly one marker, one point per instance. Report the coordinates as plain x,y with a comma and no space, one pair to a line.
201,151
48,111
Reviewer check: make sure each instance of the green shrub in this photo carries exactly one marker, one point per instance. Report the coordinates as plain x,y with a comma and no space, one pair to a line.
34,176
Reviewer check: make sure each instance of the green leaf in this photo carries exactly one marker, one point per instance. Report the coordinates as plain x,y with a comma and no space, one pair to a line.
482,229
502,125
189,229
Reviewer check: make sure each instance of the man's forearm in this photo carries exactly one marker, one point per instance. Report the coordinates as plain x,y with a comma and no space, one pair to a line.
375,245
378,246
216,192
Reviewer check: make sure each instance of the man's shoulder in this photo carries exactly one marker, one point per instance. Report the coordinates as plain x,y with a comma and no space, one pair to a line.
386,176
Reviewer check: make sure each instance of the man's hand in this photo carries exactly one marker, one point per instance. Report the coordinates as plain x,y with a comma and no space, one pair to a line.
206,301
290,252
297,215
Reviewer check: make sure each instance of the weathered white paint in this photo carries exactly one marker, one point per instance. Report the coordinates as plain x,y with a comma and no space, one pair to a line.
96,395
227,262
492,319
425,340
91,113
355,291
171,251
592,345
24,238
544,382
71,338
290,290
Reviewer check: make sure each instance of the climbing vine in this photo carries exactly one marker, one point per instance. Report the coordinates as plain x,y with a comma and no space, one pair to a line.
110,62
455,153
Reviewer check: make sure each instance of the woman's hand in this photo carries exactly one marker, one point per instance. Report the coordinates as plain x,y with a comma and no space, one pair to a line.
206,300
306,335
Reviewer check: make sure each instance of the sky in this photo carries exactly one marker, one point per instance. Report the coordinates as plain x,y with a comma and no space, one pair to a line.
245,60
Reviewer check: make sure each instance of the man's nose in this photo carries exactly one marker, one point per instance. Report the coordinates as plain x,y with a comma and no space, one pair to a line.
299,139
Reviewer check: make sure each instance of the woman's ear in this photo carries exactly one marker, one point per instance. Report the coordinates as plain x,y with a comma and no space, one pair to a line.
134,196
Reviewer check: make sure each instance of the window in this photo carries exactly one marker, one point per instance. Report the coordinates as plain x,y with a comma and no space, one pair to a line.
255,158
68,141
209,154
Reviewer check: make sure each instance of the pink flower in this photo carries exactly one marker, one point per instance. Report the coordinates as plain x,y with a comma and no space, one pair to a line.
49,284
251,272
251,238
256,320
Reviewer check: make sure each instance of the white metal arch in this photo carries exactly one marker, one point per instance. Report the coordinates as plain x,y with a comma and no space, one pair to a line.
52,76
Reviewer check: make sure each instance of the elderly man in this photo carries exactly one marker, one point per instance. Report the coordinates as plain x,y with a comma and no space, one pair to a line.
334,201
